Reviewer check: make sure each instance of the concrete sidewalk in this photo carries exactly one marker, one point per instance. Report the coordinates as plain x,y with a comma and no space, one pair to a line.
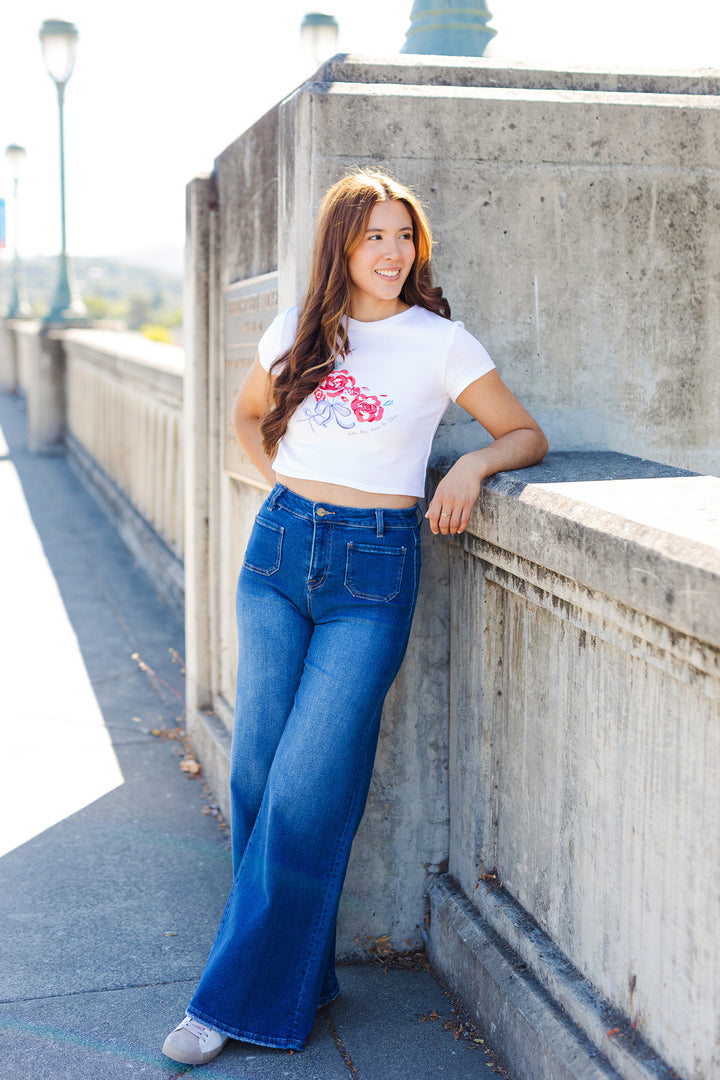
114,869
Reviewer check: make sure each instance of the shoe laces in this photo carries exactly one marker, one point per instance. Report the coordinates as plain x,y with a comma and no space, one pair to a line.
196,1029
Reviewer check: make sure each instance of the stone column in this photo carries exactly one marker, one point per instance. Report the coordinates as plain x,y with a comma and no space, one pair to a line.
8,358
46,398
200,197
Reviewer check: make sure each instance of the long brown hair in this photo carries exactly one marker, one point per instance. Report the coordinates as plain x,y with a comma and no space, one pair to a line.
321,335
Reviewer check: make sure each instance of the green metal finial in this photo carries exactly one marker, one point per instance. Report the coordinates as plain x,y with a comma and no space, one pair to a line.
448,28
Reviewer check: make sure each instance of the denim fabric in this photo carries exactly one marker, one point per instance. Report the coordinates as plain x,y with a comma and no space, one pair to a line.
324,606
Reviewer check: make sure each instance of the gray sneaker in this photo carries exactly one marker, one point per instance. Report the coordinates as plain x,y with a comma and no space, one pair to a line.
192,1043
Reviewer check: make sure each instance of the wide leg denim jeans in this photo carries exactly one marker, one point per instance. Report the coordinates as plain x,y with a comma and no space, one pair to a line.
324,606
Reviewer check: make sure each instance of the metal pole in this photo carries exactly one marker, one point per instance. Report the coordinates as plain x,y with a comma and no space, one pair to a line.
61,110
19,307
67,306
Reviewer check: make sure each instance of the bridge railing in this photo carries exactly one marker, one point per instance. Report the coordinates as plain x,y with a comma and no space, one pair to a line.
114,402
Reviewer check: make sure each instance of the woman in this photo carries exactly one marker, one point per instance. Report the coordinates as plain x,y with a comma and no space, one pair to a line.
338,413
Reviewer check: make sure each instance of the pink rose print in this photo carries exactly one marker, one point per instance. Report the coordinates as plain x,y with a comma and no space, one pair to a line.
366,408
339,400
337,382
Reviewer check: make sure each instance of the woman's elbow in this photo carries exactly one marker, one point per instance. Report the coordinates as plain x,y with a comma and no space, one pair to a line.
541,445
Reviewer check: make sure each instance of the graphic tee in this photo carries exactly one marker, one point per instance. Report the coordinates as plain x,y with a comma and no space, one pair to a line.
371,422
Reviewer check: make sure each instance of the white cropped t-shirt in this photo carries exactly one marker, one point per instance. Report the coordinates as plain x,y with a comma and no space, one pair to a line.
371,422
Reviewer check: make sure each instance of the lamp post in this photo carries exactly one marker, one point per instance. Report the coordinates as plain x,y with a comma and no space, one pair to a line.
59,42
319,33
19,307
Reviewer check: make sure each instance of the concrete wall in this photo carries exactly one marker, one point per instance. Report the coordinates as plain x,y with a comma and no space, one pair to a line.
560,656
578,232
584,738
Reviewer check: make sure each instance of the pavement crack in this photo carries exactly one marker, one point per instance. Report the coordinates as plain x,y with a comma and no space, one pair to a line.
342,1049
96,990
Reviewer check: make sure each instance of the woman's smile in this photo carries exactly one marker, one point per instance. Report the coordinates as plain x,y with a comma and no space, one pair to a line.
381,262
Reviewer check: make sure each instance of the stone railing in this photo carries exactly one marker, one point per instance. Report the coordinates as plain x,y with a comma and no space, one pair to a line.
124,407
583,854
124,430
114,401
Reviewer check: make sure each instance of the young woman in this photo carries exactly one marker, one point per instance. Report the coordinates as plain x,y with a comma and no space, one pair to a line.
338,413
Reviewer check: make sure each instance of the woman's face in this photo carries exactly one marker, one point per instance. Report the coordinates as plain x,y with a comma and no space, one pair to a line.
381,262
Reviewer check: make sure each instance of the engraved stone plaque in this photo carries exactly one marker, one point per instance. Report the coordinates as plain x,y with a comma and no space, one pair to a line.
250,307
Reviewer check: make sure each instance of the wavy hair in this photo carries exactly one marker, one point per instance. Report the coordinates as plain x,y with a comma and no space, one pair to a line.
321,335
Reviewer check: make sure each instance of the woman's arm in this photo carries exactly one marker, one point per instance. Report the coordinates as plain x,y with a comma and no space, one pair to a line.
519,442
248,407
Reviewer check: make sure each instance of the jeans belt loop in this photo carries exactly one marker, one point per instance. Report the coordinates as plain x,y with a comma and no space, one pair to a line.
379,521
275,495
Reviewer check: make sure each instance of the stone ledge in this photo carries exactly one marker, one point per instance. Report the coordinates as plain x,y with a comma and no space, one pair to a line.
483,71
545,1018
210,740
131,359
636,531
130,346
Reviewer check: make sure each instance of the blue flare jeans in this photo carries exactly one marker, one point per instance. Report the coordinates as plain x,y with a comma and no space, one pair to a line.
324,605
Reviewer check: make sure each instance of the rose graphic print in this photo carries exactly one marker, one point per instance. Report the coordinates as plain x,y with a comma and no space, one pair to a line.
339,398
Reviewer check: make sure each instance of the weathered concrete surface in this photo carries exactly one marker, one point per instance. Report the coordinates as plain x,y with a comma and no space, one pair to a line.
537,1006
414,70
578,234
585,733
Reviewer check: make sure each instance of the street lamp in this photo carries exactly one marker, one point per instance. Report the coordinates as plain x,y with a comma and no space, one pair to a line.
19,307
59,42
319,33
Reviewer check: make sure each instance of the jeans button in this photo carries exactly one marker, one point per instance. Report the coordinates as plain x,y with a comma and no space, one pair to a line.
321,511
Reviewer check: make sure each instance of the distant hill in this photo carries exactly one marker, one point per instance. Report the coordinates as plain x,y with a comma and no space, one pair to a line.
163,257
117,287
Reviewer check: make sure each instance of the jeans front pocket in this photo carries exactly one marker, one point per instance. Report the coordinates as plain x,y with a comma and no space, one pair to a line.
264,549
374,572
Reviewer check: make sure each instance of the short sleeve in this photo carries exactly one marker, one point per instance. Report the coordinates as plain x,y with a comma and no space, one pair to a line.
466,361
278,337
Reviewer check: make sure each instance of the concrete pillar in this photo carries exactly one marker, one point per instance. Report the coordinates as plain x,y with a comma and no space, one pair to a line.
200,197
46,399
8,359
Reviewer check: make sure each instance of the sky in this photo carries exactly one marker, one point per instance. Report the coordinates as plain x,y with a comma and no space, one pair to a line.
159,90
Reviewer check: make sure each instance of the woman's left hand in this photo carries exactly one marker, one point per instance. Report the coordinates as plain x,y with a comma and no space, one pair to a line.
519,442
456,494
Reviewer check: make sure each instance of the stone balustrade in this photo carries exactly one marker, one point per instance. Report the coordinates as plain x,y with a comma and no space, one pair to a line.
114,401
124,432
124,408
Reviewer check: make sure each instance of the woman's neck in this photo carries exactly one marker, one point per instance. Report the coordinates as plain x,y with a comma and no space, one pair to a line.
365,309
